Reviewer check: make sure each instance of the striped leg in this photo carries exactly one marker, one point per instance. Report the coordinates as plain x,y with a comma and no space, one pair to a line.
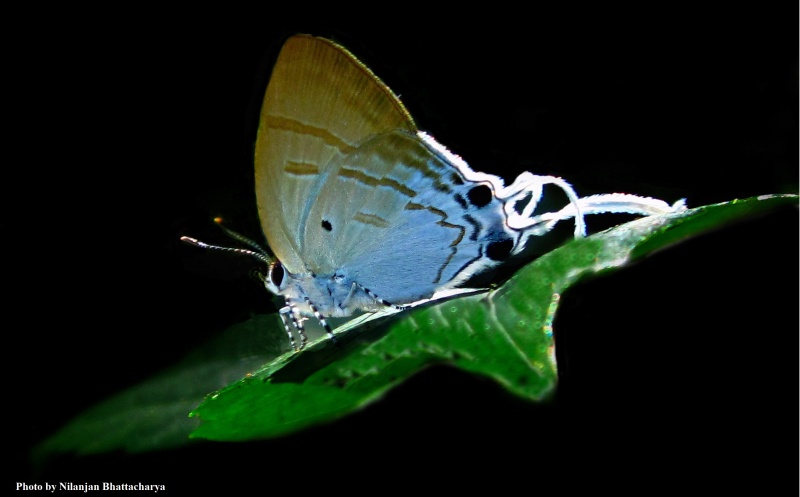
380,300
283,312
321,320
297,324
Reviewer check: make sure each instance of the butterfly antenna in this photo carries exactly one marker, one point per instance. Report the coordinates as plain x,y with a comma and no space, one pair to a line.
258,252
237,236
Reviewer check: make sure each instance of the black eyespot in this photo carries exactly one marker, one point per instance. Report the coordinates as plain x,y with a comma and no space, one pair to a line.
326,225
497,251
480,195
276,274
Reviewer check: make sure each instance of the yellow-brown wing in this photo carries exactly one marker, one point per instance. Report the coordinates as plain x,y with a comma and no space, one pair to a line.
320,104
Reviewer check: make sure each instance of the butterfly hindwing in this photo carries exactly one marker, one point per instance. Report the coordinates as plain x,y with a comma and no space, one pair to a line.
399,219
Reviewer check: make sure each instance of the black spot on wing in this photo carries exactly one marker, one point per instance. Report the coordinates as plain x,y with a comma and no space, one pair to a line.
480,195
499,250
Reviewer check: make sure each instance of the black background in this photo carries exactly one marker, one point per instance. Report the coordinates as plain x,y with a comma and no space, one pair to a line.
678,372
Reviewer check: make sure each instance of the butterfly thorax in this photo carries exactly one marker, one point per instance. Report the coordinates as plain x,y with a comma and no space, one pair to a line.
332,295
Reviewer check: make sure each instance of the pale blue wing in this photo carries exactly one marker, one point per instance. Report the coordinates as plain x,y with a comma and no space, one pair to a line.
403,221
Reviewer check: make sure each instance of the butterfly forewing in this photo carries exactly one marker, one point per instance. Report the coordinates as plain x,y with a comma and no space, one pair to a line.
320,105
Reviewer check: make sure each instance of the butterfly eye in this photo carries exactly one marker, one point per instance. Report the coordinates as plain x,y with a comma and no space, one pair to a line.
275,277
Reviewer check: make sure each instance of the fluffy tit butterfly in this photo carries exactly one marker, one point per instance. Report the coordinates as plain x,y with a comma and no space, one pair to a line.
363,211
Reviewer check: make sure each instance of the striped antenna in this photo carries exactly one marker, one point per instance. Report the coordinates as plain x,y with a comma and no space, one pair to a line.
258,252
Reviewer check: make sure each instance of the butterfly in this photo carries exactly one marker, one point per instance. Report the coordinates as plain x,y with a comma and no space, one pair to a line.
363,211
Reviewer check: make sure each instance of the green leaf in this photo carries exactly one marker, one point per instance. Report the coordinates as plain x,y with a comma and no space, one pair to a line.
153,415
504,334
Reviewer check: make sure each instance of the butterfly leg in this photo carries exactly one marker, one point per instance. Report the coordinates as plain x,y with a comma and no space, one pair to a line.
378,299
282,313
321,320
297,324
